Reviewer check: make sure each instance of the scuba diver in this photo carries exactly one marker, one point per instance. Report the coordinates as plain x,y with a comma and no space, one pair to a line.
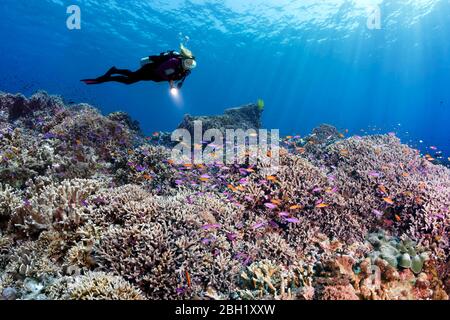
170,66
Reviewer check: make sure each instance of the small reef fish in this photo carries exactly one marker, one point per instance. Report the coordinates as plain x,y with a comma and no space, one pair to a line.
292,220
271,178
295,207
270,206
188,278
322,205
276,202
388,200
377,213
211,226
259,225
374,174
382,189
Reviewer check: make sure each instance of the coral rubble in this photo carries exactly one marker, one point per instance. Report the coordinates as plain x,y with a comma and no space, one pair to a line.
89,209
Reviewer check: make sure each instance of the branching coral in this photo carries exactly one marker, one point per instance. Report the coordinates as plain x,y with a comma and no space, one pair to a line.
59,207
93,286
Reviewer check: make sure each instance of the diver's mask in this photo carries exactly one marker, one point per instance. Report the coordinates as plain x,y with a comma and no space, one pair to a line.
189,64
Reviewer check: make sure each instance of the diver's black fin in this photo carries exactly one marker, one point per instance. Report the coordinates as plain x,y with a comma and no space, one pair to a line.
90,81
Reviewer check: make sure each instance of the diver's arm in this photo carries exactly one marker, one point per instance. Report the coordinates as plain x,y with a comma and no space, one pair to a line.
181,82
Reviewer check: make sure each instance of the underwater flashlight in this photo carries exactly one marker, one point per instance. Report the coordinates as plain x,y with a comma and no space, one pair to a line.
174,92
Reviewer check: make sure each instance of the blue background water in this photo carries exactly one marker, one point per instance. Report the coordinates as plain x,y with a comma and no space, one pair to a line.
312,61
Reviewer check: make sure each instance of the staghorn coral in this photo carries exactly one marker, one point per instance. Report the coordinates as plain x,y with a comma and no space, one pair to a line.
93,286
61,206
9,201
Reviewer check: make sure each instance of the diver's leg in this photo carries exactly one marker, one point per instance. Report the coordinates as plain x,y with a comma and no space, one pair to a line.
123,72
123,79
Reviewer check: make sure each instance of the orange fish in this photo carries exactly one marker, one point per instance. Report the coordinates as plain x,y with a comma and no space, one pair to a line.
250,170
188,278
397,217
322,205
203,179
147,177
271,178
341,135
269,154
277,202
187,165
418,200
388,200
405,174
231,187
171,162
382,189
295,207
289,137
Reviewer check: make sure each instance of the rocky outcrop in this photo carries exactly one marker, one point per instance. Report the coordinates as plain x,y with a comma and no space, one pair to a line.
245,117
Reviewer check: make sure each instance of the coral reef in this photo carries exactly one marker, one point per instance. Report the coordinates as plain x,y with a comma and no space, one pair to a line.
89,209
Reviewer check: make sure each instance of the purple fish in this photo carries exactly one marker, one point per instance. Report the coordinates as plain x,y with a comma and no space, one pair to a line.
315,190
211,226
249,198
243,181
243,172
181,291
377,213
374,173
270,206
49,135
292,220
259,225
440,216
231,236
140,168
178,182
207,240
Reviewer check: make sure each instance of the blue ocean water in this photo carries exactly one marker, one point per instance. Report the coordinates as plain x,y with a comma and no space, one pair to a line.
312,61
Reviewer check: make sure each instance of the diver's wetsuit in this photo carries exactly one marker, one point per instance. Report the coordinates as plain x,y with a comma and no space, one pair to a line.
165,67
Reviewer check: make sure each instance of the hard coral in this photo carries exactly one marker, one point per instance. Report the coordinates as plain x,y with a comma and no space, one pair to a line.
93,286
